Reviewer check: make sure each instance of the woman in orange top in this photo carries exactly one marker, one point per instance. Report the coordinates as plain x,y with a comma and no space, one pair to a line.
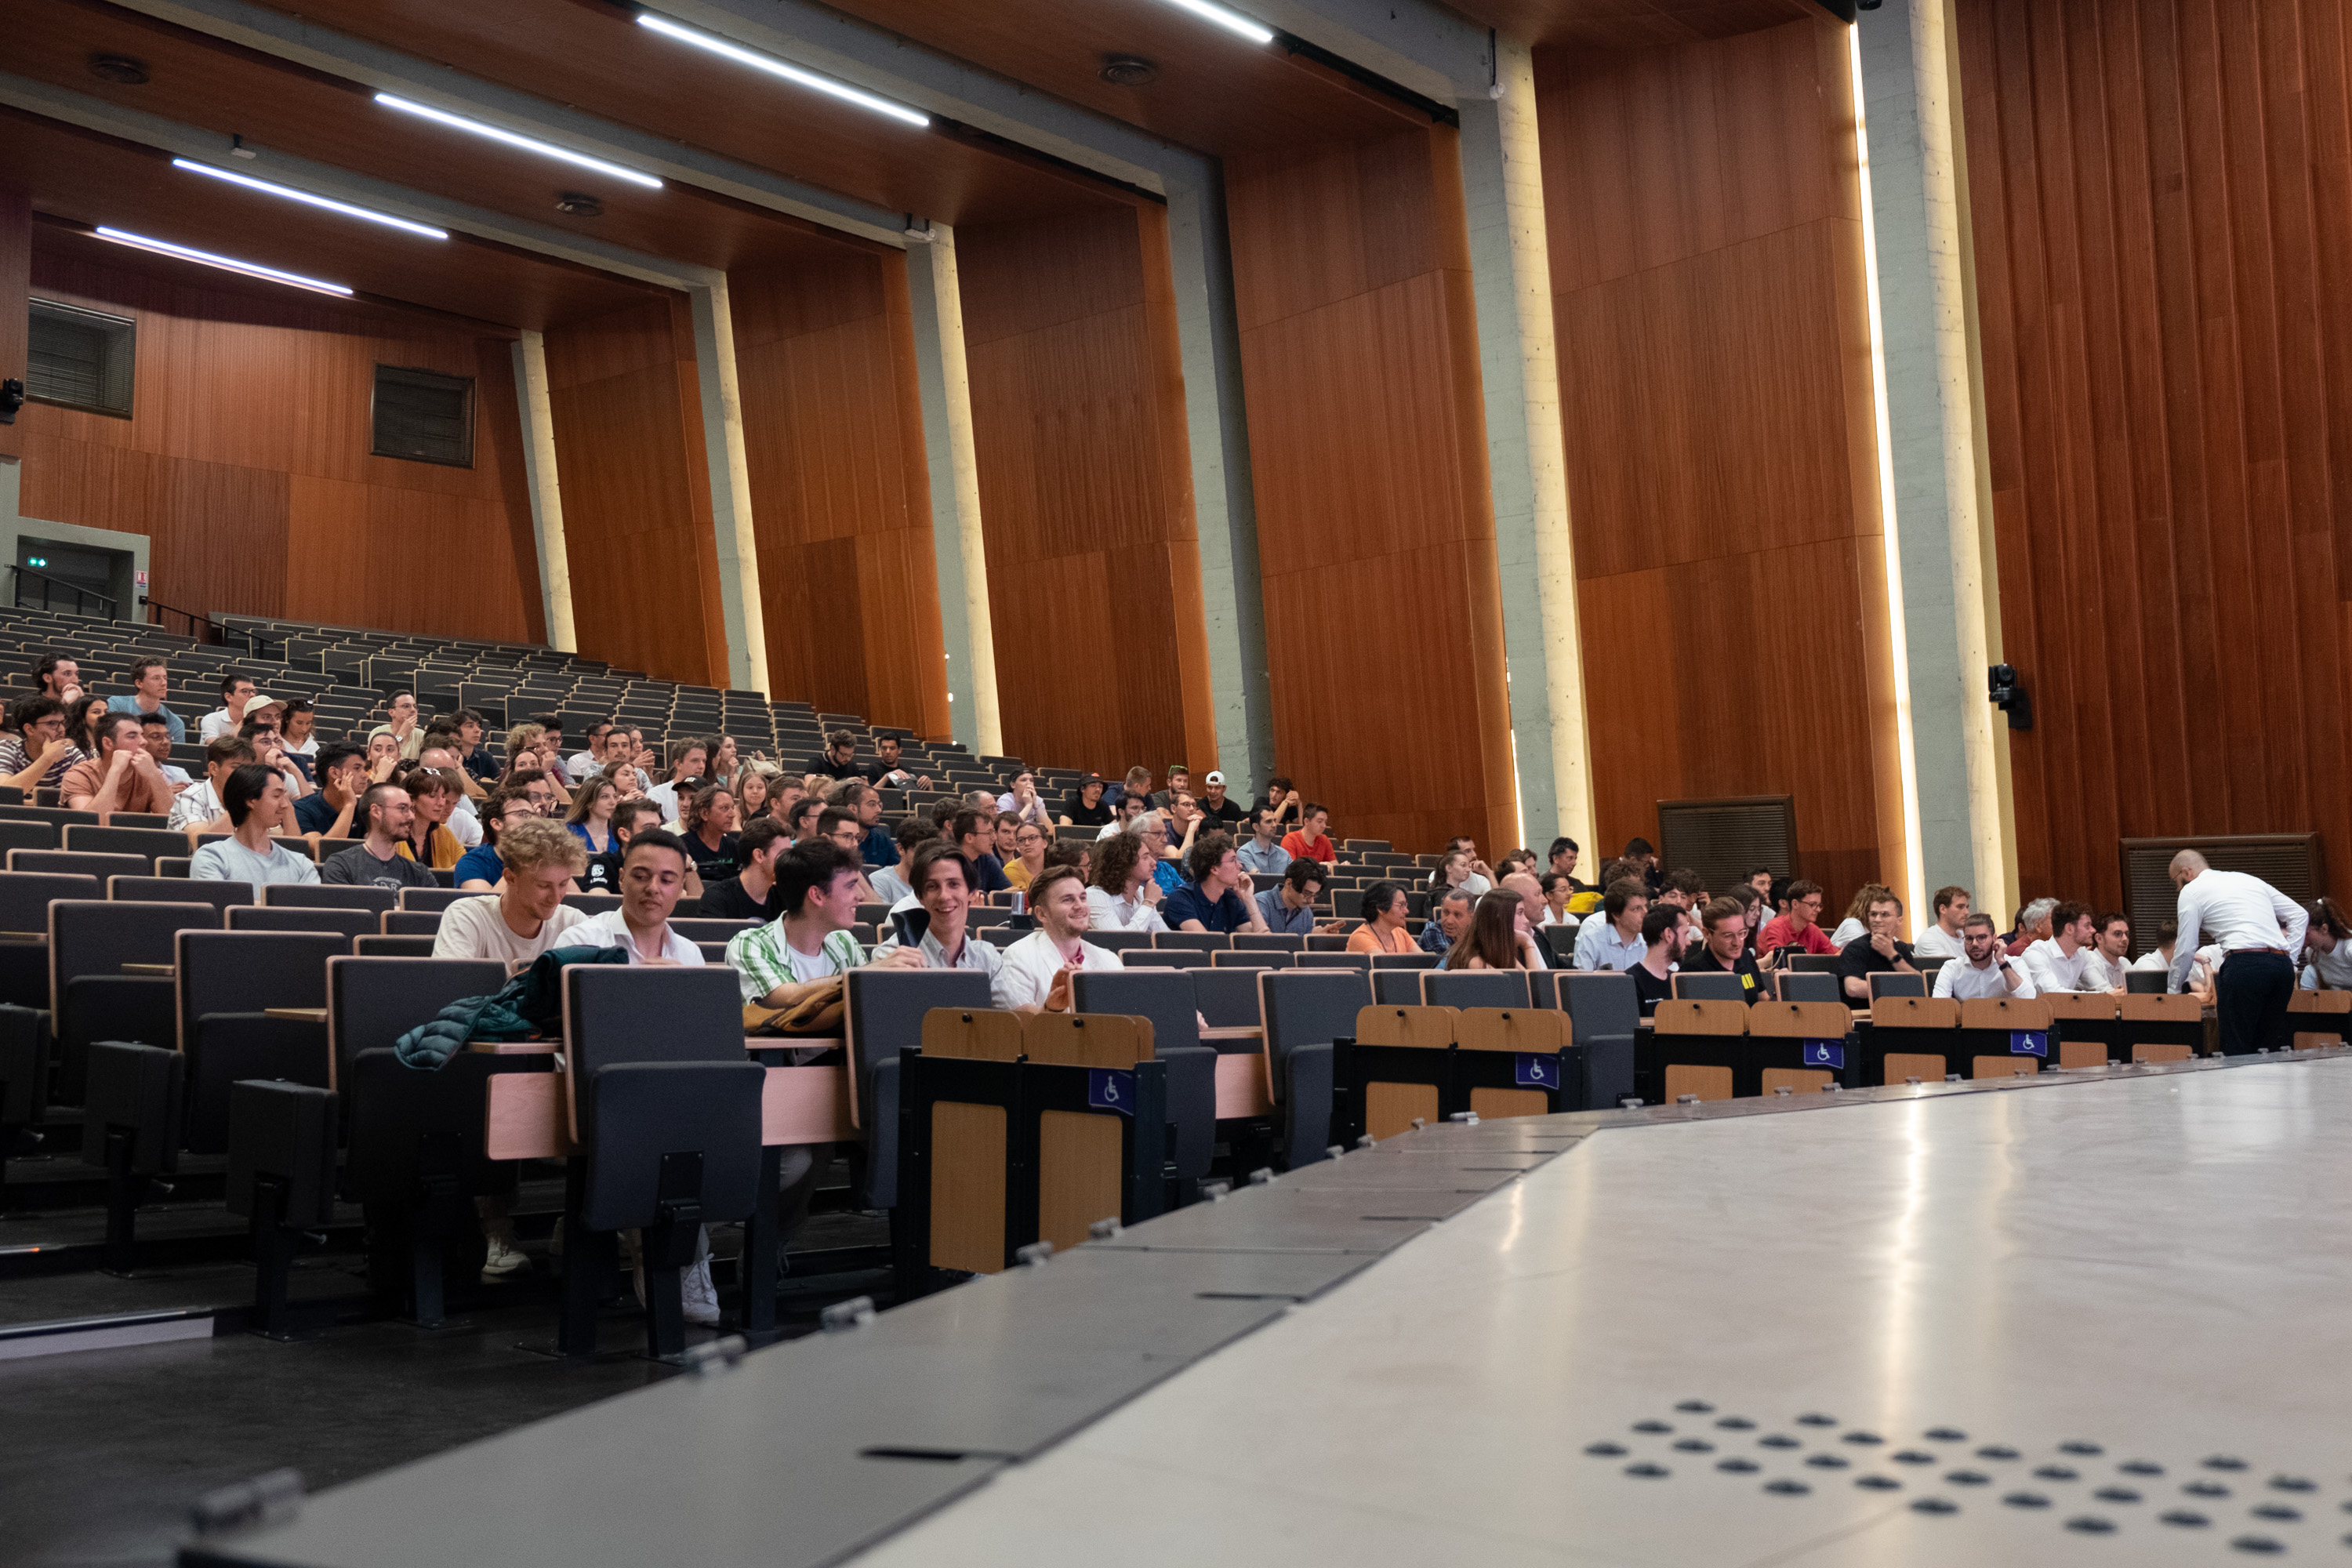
1384,928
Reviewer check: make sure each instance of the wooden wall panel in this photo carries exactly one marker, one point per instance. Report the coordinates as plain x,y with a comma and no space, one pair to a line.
1714,376
636,493
840,490
1085,492
15,277
1376,531
2161,195
246,461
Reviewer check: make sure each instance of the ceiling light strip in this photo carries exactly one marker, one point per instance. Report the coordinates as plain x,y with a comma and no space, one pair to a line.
226,263
789,72
291,194
1232,21
528,143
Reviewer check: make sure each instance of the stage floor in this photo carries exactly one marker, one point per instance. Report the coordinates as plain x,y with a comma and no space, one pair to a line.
2019,1327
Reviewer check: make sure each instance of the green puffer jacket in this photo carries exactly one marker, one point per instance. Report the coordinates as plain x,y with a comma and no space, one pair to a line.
530,1004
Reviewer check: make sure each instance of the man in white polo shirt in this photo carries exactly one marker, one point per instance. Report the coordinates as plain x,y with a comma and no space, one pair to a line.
1036,970
1983,968
2062,961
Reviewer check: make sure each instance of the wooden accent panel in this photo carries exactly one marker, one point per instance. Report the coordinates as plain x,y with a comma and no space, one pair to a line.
2005,1013
1389,1108
524,1117
833,435
1241,1088
2006,1067
2162,207
1915,1013
1801,1080
1498,1104
636,493
1429,1029
1682,1017
1700,1083
1903,1065
246,461
2154,1053
1709,299
15,280
1085,492
1368,454
1630,23
1800,1020
1078,1174
1086,1040
968,1187
2082,1053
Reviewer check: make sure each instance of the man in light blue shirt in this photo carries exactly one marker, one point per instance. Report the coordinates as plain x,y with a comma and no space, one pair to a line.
152,677
1615,940
1263,858
1288,906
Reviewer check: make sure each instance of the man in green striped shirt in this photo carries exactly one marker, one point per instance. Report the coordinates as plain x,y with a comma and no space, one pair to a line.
786,962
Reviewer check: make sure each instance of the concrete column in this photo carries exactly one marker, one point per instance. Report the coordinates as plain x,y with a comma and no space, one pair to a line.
546,495
731,486
1908,85
1224,507
1526,453
945,387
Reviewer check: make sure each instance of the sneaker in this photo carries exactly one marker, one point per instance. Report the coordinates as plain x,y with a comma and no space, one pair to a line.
699,1295
505,1258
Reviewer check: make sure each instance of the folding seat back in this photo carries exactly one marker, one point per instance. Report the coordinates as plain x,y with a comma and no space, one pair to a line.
425,923
144,842
179,891
1476,988
93,996
1813,962
346,923
65,862
1304,1011
1397,987
379,946
1605,1015
1167,999
1404,961
1123,942
1806,988
1362,961
430,898
229,980
1715,986
1897,984
56,816
1560,944
1227,999
326,896
371,1001
1198,941
16,835
1268,941
26,896
884,1009
1162,958
1253,959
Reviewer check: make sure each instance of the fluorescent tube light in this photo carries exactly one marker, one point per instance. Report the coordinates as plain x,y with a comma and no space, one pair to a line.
1232,21
291,194
791,73
226,263
528,143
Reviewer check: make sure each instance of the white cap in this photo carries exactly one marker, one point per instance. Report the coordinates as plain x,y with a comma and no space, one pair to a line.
1217,778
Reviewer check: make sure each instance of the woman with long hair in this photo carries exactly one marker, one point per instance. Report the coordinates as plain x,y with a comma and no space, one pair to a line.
590,817
755,787
708,817
83,715
1498,937
1385,910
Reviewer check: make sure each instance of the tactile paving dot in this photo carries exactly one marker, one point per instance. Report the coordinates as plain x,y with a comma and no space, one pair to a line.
2293,1484
1605,1450
1911,1456
1996,1451
1739,1467
1816,1418
1693,1446
1646,1470
1695,1406
2225,1462
2116,1494
1737,1423
1933,1505
1969,1478
1828,1461
1878,1483
1777,1441
1945,1434
1866,1437
2054,1473
2186,1517
2278,1512
2092,1524
2026,1499
2206,1489
1652,1426
2140,1468
2259,1546
2081,1448
1784,1486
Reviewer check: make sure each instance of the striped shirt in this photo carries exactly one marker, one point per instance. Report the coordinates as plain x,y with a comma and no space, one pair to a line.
762,960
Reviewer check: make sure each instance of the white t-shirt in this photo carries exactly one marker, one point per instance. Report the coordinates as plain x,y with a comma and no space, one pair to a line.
2052,970
2201,968
2331,969
227,860
2101,975
1107,913
1964,982
473,927
216,724
1030,964
609,929
1938,942
463,826
1848,929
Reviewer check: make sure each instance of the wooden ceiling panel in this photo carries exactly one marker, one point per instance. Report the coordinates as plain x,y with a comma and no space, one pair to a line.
1630,23
1213,91
595,56
80,178
228,90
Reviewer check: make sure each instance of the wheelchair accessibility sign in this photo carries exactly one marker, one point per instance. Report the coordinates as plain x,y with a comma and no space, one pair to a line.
1109,1088
1530,1071
1825,1054
2028,1043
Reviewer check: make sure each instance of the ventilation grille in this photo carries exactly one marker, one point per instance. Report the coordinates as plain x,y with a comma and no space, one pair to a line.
1724,840
423,416
2288,861
81,359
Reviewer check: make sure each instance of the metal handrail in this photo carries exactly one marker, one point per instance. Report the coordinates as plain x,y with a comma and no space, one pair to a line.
48,582
194,620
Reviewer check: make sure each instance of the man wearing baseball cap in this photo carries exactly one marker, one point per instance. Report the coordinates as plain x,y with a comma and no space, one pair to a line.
1223,811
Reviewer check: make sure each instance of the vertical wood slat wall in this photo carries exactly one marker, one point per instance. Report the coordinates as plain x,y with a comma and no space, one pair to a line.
2161,195
636,492
246,461
1368,451
1086,490
833,434
1712,316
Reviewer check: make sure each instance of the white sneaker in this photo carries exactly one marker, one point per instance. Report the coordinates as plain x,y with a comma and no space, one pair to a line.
505,1258
699,1295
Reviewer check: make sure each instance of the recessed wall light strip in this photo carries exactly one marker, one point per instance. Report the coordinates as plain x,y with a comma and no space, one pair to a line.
291,194
226,263
785,69
528,143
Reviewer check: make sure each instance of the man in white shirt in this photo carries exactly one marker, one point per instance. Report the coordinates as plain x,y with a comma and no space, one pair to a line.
654,865
1126,895
236,690
1614,942
1132,809
2110,954
1943,939
1983,969
2201,968
1036,970
944,894
578,766
200,802
2057,961
2258,929
257,802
